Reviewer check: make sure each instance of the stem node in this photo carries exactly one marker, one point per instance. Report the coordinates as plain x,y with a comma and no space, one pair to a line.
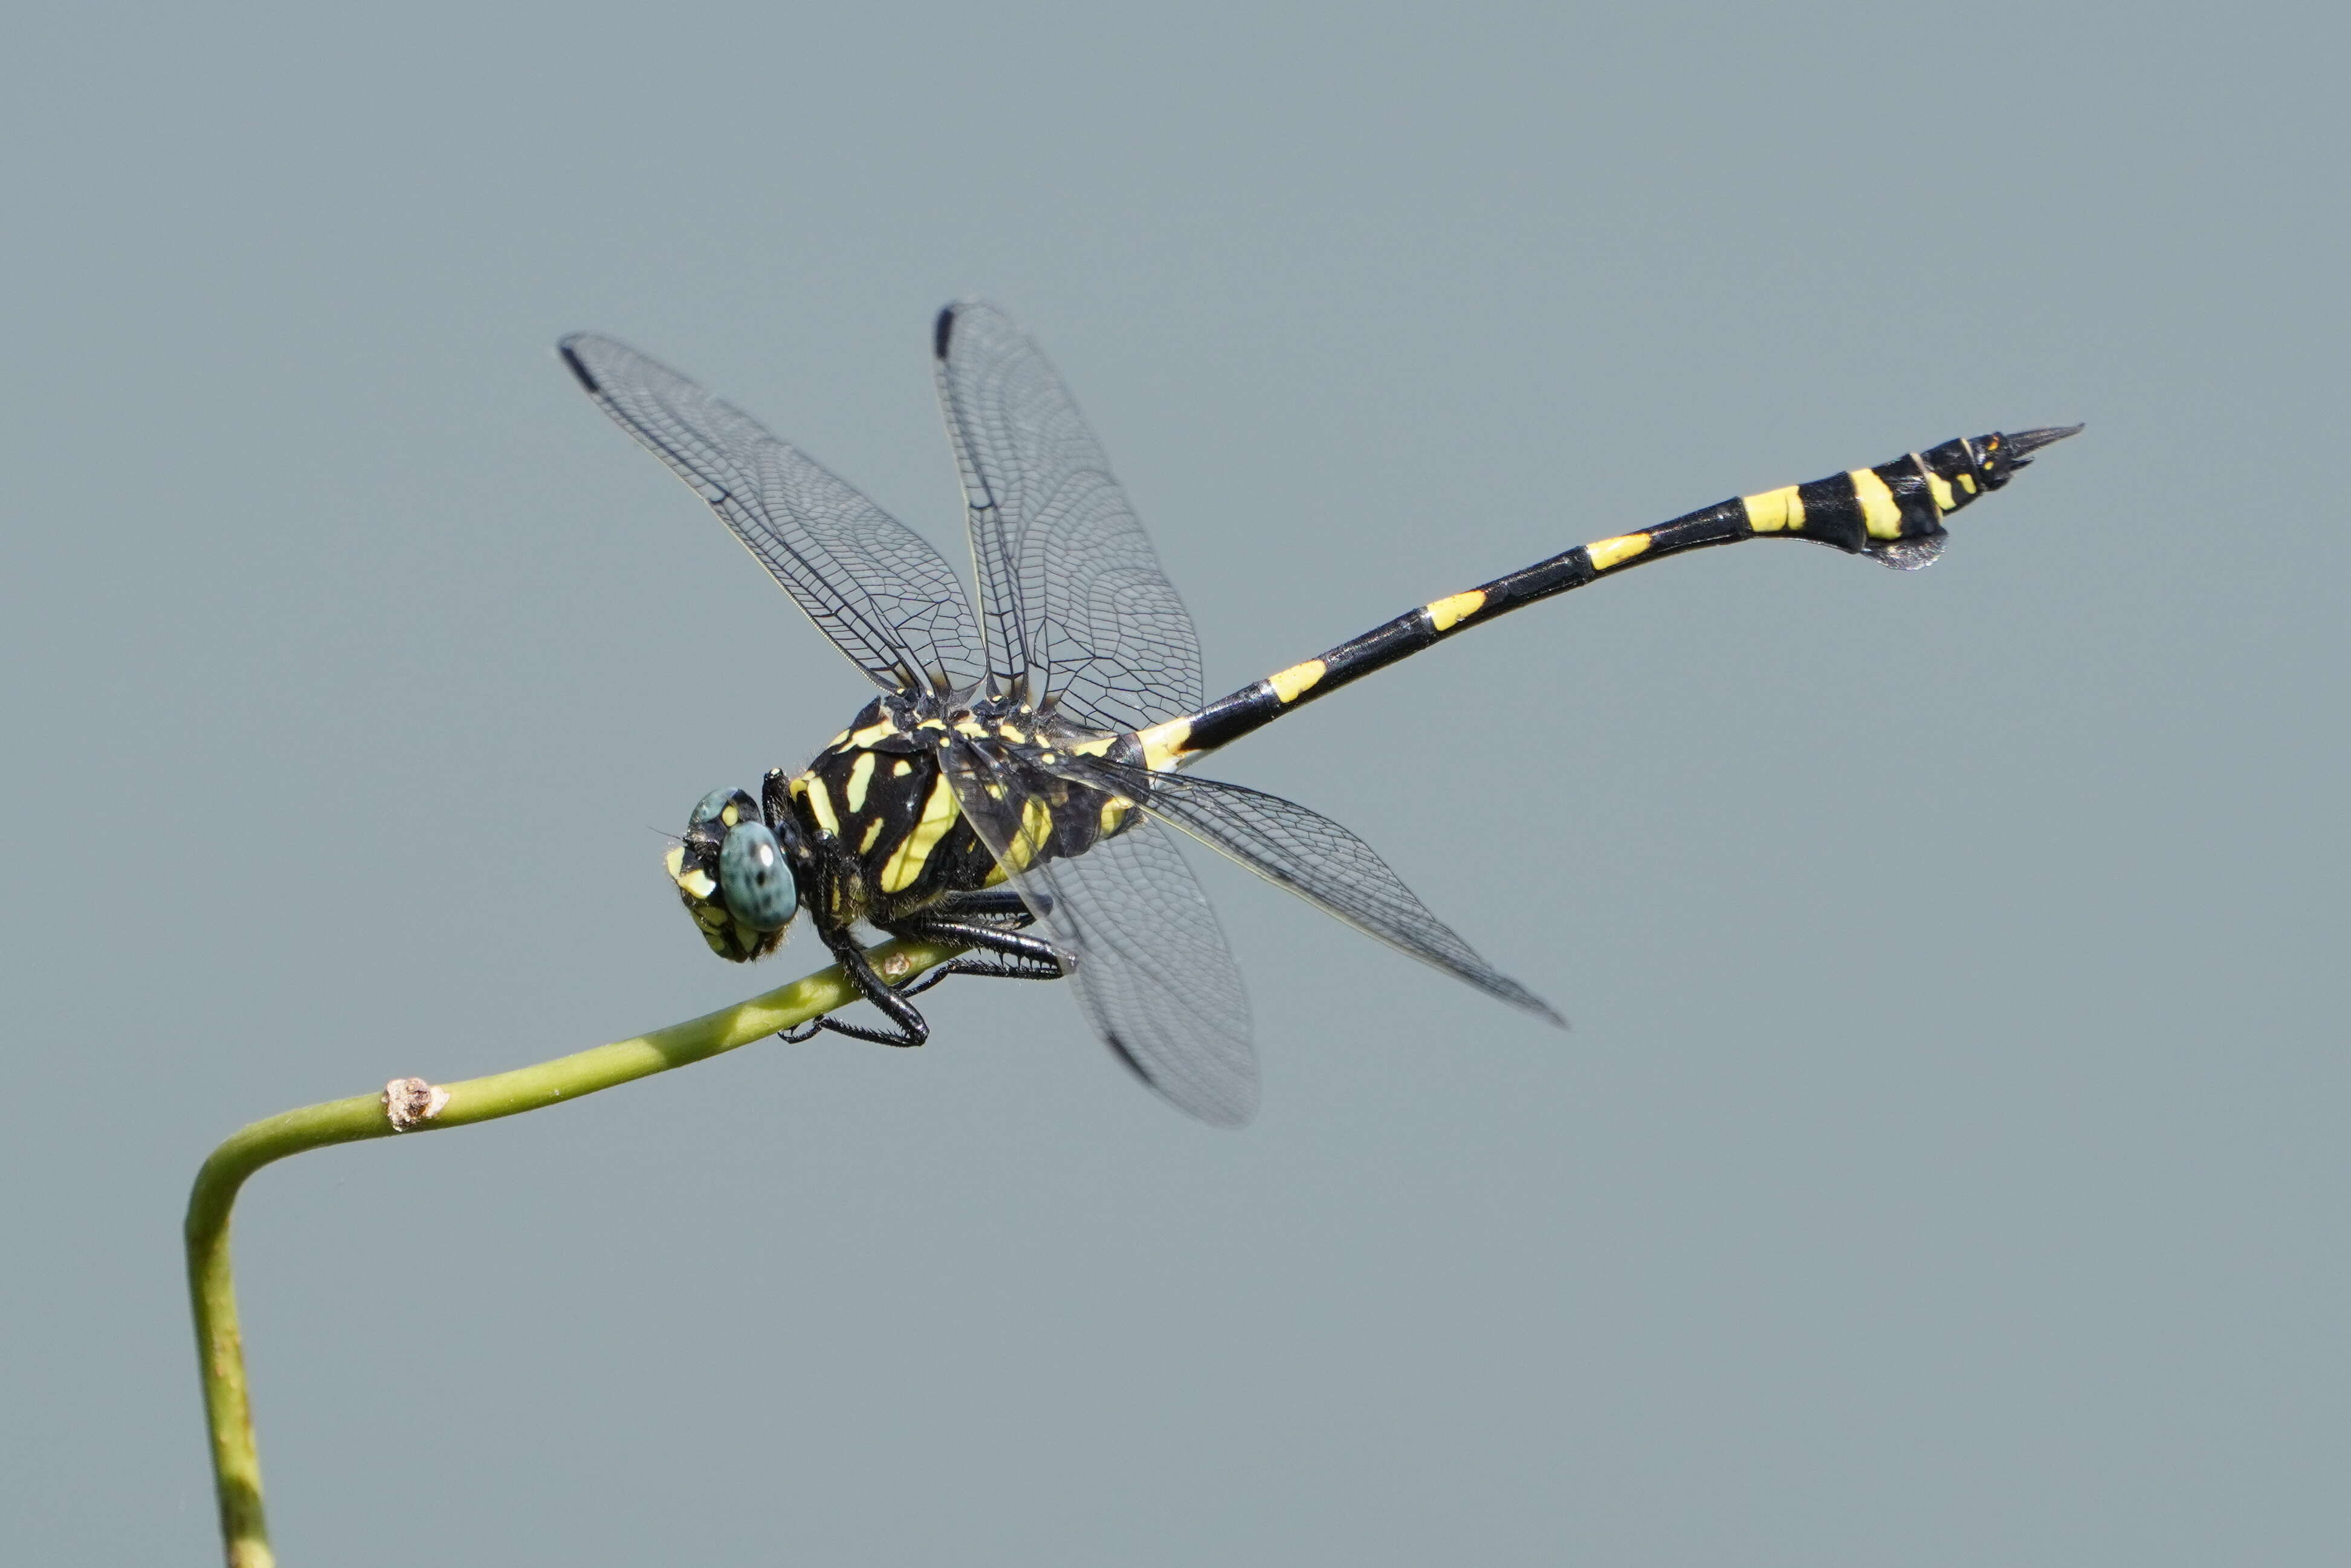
409,1102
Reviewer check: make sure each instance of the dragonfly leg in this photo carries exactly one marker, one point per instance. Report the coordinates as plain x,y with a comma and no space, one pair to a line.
1032,958
991,904
912,1028
986,971
1015,957
1018,958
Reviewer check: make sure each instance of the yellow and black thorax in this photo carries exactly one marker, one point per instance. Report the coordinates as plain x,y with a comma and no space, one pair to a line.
880,809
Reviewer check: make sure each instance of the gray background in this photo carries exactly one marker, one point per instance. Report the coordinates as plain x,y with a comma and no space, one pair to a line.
1947,1163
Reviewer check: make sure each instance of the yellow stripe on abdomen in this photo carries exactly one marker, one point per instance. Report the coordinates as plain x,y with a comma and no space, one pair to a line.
1451,610
1298,678
1880,513
1164,745
1605,553
1774,510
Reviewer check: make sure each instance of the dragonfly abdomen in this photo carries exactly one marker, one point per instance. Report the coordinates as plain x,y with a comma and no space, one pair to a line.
1892,513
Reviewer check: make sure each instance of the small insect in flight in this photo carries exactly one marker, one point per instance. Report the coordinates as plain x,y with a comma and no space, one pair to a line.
1011,790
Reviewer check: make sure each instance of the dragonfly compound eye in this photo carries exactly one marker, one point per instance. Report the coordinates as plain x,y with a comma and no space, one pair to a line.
722,809
756,878
697,864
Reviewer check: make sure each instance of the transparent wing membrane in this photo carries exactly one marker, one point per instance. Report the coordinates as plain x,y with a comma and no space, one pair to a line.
1315,858
1152,970
879,590
1075,604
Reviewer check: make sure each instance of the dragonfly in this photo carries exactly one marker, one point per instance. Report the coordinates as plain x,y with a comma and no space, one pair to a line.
1017,787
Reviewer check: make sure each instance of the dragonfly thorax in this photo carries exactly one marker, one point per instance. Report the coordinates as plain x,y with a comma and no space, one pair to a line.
873,829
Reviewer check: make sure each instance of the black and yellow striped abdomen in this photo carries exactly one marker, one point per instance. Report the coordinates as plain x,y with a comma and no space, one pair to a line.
1892,513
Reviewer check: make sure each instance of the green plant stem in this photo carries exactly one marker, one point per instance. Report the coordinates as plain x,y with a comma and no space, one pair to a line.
424,1107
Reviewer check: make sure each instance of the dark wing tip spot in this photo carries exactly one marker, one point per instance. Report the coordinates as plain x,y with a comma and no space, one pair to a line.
1216,1115
1128,1059
941,331
577,369
1520,997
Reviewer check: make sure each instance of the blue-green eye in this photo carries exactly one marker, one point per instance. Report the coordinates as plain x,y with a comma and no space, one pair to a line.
711,808
754,878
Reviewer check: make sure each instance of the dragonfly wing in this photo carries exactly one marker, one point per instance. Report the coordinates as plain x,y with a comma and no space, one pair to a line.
879,590
1313,857
1149,962
1075,605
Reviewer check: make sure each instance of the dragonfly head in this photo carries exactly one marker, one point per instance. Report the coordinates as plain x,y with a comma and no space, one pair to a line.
734,877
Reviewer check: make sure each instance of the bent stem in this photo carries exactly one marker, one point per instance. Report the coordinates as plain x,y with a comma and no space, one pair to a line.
412,1105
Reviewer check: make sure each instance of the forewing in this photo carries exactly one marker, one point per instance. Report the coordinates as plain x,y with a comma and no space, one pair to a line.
1152,969
1314,858
1071,594
874,586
